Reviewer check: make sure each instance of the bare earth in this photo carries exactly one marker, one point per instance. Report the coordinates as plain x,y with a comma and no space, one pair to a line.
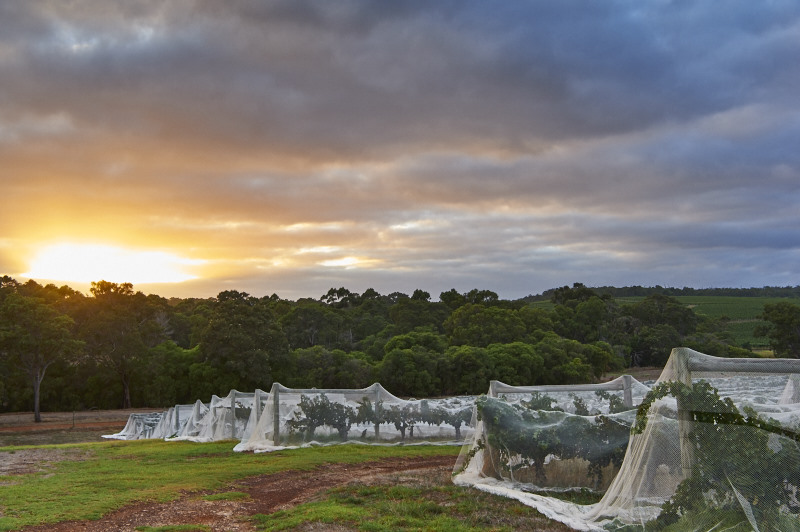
18,428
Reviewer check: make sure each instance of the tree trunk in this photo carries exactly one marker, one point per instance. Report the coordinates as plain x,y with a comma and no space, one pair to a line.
126,393
37,383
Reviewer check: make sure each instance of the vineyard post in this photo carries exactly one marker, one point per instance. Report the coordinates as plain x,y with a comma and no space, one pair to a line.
683,374
627,391
377,411
276,416
257,405
233,414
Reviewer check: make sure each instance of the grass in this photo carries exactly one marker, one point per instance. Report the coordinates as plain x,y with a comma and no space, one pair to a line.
743,313
114,474
411,503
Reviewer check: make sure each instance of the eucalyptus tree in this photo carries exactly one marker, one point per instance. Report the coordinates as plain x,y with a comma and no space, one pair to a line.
119,326
782,327
243,343
33,336
478,325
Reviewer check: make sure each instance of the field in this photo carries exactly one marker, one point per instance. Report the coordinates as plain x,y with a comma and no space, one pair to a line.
742,312
153,485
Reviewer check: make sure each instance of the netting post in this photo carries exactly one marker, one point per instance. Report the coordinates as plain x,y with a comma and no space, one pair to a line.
233,414
627,391
683,374
257,405
378,413
794,379
276,417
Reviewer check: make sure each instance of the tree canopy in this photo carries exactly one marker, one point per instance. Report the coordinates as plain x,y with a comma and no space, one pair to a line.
118,347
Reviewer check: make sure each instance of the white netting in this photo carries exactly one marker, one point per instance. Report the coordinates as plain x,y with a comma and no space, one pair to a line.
287,417
158,425
552,438
713,446
138,427
224,418
300,417
190,425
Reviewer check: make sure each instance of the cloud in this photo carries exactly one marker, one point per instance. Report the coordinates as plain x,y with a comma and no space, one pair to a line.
504,145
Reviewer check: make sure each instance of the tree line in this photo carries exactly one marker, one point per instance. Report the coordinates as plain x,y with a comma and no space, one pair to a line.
643,291
117,347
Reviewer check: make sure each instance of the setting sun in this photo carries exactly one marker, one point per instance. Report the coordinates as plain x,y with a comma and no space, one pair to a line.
90,262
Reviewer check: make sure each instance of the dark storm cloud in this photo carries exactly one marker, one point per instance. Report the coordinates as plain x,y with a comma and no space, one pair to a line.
522,144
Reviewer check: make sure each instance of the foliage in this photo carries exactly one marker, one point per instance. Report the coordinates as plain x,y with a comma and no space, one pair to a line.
319,367
320,411
144,350
244,340
368,413
118,326
756,470
456,418
540,401
34,336
525,435
782,329
403,418
164,383
615,403
412,372
477,325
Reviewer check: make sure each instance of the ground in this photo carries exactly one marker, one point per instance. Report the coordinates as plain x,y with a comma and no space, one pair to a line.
264,494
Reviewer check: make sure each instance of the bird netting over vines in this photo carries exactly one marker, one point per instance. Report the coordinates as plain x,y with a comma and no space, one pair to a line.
298,417
713,445
286,417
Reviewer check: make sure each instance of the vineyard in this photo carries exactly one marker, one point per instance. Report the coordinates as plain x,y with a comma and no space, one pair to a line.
653,456
713,444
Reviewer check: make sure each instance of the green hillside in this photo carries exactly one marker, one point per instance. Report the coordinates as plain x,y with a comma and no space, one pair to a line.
743,313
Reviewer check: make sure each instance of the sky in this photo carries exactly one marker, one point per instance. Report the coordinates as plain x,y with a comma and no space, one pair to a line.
287,147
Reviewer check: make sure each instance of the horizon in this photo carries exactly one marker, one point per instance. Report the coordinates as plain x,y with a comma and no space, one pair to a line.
151,289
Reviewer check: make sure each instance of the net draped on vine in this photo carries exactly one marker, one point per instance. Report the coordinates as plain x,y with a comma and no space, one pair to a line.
286,417
712,445
297,417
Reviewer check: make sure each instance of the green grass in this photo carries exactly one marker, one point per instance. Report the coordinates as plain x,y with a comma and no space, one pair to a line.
118,473
424,505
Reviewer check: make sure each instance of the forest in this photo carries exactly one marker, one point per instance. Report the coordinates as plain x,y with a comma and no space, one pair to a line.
62,350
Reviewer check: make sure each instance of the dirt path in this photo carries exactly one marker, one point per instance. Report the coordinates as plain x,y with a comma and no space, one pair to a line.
18,428
266,494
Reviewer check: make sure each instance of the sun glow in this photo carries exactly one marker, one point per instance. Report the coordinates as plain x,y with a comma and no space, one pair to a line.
84,263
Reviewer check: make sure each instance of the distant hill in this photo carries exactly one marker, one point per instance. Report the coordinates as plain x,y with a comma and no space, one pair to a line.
644,291
740,307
